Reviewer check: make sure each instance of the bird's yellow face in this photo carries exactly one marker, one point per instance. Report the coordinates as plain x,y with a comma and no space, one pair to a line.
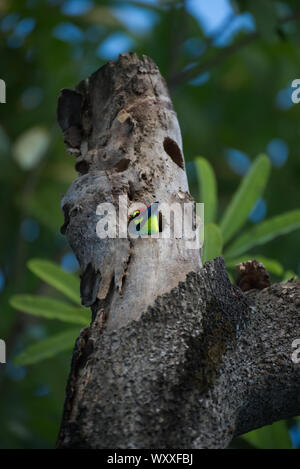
135,214
135,217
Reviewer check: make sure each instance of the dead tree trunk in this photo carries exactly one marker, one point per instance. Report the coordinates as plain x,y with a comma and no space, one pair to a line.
175,357
121,125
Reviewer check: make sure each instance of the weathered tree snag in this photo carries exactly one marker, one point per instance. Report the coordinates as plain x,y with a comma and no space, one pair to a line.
121,126
175,357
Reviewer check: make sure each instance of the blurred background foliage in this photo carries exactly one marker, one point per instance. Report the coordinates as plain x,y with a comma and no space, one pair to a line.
229,65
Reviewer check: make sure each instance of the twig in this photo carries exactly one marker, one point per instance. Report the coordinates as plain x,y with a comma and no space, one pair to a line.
224,54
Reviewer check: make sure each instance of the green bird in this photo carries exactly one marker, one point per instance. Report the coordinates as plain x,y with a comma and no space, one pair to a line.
145,220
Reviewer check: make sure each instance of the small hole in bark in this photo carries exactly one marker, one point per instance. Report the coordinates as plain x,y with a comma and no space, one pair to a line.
173,150
104,156
131,191
73,212
82,167
160,222
122,165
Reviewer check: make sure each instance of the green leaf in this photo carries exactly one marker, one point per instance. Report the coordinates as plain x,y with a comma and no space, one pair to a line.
47,348
54,275
208,188
50,309
272,266
288,275
212,246
230,277
264,232
275,436
244,199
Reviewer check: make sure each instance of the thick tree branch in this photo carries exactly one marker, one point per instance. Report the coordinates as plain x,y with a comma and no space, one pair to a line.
268,377
206,363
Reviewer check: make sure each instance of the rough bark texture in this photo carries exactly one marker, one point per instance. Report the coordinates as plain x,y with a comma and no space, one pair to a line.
175,357
204,364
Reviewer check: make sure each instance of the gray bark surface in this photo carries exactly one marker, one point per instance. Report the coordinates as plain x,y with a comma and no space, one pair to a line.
122,128
175,356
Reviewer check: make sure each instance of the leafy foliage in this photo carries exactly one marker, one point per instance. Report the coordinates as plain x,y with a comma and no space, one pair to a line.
273,436
48,348
51,309
213,242
217,238
248,192
266,231
208,188
57,277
